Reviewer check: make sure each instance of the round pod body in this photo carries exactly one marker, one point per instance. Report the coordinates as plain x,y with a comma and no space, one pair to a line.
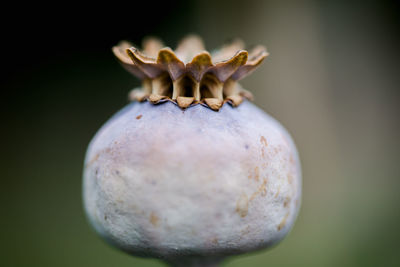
164,182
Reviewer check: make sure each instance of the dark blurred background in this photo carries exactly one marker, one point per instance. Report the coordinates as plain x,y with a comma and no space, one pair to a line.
332,79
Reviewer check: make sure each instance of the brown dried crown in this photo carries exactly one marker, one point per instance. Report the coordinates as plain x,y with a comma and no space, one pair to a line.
188,76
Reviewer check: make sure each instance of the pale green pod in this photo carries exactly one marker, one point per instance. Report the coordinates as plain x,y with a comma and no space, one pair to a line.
181,175
163,182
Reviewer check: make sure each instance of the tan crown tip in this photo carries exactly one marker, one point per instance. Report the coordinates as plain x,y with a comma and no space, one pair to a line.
184,102
166,55
137,94
153,98
213,103
235,100
151,46
246,94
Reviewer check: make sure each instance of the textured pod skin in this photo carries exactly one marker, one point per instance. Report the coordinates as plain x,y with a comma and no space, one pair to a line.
164,182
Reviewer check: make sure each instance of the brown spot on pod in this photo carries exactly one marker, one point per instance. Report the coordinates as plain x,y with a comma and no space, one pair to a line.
264,165
264,144
286,202
262,190
291,160
139,117
283,222
290,178
154,220
263,141
242,205
95,158
256,173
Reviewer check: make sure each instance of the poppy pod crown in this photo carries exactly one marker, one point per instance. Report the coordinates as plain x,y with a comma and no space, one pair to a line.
190,75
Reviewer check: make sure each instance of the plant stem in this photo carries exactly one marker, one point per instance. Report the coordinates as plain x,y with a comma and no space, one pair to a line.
194,262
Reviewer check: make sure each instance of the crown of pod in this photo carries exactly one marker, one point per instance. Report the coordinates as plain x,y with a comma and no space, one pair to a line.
190,75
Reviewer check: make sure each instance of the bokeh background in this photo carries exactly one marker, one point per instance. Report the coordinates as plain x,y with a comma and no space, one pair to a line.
332,79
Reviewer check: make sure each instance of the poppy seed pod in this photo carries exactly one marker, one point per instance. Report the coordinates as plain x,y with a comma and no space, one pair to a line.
191,171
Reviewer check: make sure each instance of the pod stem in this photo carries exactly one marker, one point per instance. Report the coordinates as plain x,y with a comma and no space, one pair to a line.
194,262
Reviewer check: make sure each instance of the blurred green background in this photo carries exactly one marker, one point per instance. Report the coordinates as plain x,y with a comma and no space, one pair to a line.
332,79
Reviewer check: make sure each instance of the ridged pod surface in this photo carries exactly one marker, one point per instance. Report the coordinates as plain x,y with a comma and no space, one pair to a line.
172,183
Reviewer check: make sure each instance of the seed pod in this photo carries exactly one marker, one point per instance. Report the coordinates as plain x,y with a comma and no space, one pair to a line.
191,171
